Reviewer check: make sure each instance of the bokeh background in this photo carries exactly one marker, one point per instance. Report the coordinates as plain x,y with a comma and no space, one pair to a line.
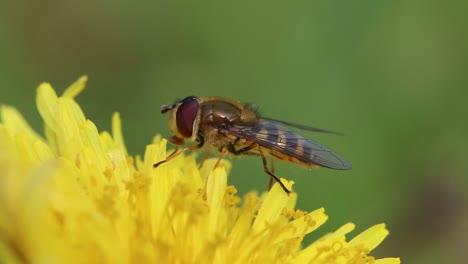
391,75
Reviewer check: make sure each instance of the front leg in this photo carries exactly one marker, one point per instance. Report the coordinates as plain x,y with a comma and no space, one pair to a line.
176,153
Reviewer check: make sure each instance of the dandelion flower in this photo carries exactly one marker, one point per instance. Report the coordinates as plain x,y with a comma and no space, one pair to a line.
76,196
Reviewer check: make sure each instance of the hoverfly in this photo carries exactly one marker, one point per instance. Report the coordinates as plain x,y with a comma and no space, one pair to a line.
231,127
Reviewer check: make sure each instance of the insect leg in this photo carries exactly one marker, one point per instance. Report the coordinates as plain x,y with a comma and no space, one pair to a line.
272,163
205,156
176,153
237,152
233,150
265,168
222,151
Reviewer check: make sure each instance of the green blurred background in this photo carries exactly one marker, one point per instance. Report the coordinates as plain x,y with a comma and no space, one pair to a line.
391,75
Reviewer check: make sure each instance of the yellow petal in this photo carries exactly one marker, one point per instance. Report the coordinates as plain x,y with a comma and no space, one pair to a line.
304,225
75,88
274,203
215,189
388,261
90,138
13,120
78,197
117,132
370,238
47,101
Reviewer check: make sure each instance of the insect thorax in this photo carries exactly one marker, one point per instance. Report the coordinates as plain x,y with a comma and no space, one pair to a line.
214,138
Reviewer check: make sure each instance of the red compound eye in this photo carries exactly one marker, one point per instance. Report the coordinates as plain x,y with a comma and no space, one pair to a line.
186,114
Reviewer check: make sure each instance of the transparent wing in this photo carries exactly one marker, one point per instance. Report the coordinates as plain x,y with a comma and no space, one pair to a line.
273,136
303,127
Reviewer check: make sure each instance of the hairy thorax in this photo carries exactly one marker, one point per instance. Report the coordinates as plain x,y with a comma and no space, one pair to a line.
216,116
216,138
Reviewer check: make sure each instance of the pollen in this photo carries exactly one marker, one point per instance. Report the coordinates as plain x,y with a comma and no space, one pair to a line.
75,195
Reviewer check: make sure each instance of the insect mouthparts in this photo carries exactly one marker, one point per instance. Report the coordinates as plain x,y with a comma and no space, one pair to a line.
166,108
